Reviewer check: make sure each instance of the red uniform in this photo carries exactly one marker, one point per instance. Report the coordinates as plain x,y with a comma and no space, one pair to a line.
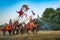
28,26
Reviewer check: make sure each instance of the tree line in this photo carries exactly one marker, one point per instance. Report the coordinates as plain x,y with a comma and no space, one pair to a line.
52,16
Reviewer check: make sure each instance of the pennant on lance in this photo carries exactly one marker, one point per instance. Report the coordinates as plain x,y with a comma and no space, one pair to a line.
33,12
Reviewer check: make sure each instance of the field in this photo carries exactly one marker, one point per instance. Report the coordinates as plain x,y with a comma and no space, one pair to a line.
42,35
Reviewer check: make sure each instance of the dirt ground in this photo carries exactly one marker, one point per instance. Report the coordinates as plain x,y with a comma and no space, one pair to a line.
42,35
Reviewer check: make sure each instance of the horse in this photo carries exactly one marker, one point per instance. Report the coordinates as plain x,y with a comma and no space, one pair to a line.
6,28
22,28
15,28
33,26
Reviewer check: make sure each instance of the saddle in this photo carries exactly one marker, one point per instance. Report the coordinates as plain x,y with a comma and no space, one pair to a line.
30,26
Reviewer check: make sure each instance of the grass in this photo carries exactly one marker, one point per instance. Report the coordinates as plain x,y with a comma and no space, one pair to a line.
42,35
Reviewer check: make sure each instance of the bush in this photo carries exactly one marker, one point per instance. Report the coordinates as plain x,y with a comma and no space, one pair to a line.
55,26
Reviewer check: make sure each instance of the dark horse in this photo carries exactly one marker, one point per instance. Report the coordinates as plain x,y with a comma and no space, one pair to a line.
15,28
33,26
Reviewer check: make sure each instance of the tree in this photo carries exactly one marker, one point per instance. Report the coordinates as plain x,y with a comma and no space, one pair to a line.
53,16
1,26
48,13
56,17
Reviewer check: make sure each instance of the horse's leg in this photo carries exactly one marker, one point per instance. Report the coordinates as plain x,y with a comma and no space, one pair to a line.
16,31
36,31
27,31
9,32
21,31
4,32
32,30
13,31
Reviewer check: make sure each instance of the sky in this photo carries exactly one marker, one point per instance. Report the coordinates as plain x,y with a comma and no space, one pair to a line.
8,8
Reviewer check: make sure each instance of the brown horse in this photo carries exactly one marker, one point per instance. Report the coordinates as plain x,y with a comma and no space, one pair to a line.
33,26
7,28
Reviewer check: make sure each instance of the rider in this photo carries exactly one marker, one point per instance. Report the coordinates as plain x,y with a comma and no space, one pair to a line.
31,23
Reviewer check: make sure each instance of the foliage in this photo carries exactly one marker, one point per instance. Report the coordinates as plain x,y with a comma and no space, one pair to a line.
53,16
48,13
1,26
55,26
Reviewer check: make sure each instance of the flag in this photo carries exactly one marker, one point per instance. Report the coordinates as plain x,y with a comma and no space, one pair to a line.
33,12
26,7
20,13
30,18
25,15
